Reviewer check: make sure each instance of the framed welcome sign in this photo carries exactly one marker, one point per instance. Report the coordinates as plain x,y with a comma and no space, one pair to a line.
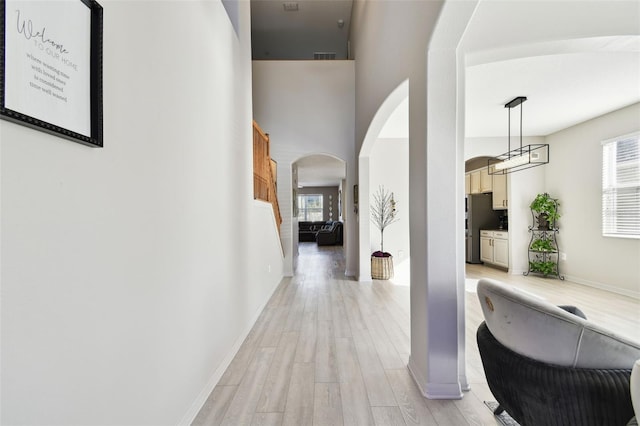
51,67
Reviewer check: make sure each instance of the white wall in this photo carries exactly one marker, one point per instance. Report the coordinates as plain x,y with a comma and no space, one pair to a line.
574,176
131,273
389,166
307,107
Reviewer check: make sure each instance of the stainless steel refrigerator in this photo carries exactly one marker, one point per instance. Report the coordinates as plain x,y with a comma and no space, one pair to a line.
479,215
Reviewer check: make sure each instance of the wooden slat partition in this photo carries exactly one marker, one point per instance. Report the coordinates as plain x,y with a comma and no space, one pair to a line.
264,175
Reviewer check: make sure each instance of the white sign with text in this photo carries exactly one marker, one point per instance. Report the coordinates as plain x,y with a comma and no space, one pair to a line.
47,62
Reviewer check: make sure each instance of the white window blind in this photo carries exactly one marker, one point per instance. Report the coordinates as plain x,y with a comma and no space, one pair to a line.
621,187
310,207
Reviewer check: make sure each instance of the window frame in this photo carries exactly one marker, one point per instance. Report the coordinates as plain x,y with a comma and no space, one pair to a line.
303,210
611,206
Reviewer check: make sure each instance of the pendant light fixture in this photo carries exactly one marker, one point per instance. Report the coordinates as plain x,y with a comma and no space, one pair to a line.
522,158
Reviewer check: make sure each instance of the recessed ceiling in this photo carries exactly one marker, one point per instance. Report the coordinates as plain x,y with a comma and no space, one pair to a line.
320,170
573,60
277,34
562,90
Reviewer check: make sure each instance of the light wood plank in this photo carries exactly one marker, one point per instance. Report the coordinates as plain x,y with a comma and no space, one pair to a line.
326,368
306,350
324,305
410,401
245,400
446,413
279,294
274,328
351,306
338,312
294,319
216,406
387,416
378,389
274,393
356,409
474,410
238,367
327,407
267,419
300,399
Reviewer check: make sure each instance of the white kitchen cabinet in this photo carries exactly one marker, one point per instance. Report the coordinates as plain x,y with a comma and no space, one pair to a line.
467,183
494,247
501,248
486,184
486,249
475,182
500,200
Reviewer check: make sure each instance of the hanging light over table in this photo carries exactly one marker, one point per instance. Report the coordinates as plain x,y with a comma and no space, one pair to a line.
521,158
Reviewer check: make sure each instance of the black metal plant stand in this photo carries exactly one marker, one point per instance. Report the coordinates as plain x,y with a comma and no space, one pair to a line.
543,248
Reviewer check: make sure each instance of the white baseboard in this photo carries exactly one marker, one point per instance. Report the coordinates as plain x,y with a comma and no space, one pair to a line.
464,383
434,390
594,284
601,286
202,397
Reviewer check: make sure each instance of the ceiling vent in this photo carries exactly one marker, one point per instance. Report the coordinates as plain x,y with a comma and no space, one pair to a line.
324,55
290,7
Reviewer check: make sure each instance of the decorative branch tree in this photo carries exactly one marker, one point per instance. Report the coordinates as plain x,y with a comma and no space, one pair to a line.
383,214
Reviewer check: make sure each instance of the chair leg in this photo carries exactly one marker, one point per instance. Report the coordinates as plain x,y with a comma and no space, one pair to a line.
499,410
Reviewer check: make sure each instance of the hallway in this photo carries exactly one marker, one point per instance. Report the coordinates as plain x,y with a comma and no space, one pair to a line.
331,351
327,350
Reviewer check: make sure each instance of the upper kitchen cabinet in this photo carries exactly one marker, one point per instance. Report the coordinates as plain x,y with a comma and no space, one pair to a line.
477,178
475,182
486,184
500,200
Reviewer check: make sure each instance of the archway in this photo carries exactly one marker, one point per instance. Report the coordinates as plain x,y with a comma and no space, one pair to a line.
319,196
398,126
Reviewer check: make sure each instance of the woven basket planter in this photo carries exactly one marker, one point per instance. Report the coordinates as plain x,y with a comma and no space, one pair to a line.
381,267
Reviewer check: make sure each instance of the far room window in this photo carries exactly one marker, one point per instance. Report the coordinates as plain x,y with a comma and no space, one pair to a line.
621,186
310,207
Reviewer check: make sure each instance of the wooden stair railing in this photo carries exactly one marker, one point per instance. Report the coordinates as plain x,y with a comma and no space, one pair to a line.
264,175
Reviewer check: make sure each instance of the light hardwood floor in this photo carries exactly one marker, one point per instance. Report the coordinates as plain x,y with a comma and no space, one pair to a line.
328,350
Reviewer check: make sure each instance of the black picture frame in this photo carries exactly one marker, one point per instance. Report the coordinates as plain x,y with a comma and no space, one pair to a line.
90,79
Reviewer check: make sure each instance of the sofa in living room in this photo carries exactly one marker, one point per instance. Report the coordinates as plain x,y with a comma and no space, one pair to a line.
307,230
330,234
324,233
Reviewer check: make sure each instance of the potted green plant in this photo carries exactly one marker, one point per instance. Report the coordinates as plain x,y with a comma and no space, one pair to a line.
543,267
547,209
383,214
542,245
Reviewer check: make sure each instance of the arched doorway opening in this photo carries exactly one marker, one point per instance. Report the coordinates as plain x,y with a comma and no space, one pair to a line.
319,195
384,160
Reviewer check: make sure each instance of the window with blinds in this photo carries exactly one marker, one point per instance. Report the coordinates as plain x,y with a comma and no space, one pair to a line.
621,187
310,207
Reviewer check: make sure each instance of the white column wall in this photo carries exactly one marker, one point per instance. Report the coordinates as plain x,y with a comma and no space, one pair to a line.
434,362
434,289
